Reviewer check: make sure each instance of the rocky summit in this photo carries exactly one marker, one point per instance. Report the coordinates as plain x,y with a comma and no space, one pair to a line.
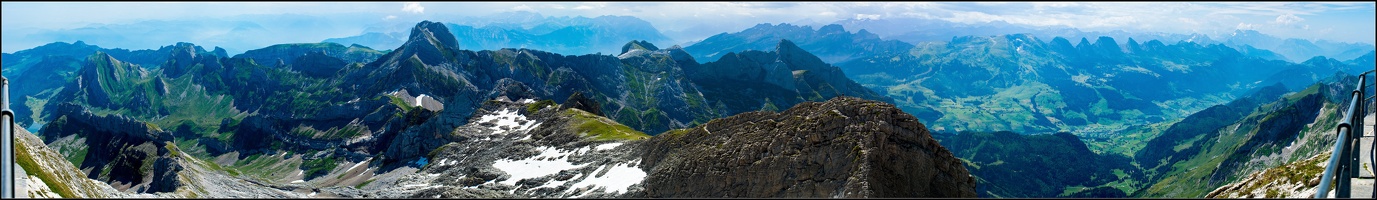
845,147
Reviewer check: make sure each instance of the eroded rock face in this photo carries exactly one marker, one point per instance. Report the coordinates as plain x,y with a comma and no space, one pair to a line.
845,147
119,150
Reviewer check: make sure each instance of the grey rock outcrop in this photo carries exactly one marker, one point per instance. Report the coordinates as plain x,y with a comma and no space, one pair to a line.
577,100
164,176
845,147
119,150
513,90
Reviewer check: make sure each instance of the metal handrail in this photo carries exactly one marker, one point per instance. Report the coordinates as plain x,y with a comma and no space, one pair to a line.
1328,177
7,117
1342,158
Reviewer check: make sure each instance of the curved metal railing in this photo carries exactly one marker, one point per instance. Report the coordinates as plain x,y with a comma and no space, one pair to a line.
1342,158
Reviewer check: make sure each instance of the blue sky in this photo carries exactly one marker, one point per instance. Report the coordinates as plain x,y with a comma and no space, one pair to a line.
1335,21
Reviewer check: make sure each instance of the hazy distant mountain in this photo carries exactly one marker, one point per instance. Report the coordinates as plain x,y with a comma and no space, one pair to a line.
831,43
1062,86
372,40
916,30
236,34
759,80
1297,50
563,35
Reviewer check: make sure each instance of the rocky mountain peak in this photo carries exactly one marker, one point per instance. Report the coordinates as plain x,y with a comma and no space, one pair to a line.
867,35
870,149
220,52
513,90
435,33
1242,32
184,52
786,45
316,64
831,29
764,25
678,54
103,66
1133,46
638,44
1106,44
797,58
1083,44
1060,44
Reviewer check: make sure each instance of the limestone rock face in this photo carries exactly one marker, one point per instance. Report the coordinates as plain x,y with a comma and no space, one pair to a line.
118,144
577,100
845,147
57,178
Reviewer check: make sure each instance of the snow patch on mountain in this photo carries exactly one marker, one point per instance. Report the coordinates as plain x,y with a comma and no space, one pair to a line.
550,161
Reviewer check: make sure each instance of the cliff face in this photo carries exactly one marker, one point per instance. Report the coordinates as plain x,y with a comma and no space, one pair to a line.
128,154
44,173
1295,180
845,147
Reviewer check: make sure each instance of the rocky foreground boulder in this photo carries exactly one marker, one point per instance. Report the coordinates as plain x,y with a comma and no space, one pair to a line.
845,147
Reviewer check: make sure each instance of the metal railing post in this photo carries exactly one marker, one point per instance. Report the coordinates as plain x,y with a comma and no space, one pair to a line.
7,154
1353,139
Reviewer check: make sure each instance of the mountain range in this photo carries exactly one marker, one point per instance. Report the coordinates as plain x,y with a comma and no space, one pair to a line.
447,110
265,114
562,35
920,30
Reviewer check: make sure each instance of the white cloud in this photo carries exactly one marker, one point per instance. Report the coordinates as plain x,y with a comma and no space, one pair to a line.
1288,19
583,7
390,17
1190,21
1245,26
413,7
828,13
971,17
1113,21
865,16
922,15
523,7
